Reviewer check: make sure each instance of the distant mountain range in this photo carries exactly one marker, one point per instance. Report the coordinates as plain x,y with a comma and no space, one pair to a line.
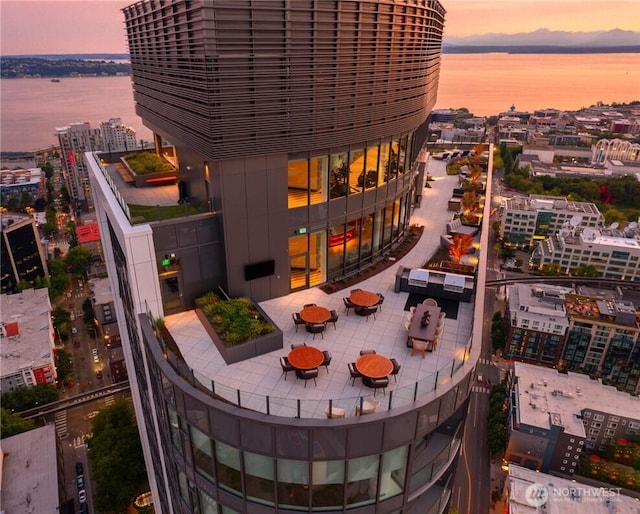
544,38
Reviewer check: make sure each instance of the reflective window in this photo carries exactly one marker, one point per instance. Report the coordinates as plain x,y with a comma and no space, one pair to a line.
356,170
383,164
259,477
361,480
366,236
202,453
298,183
328,484
318,176
174,427
228,467
207,504
293,482
394,471
370,177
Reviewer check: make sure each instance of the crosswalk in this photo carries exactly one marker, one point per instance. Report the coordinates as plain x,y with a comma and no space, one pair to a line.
61,424
480,389
108,400
485,361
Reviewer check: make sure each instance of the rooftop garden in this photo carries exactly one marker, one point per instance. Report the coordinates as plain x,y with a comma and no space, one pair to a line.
143,163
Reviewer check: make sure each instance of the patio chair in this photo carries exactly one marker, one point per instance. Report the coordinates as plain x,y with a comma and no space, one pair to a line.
286,366
356,290
316,328
297,320
334,317
307,374
380,301
396,368
376,383
419,346
430,301
308,305
294,346
368,311
327,359
348,304
335,412
367,352
369,406
353,371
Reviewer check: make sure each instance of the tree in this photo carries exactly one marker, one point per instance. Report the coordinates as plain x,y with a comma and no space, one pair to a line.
585,270
64,365
25,398
78,259
14,424
116,457
460,246
58,278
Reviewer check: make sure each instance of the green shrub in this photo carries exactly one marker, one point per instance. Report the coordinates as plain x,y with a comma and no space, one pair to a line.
236,320
146,162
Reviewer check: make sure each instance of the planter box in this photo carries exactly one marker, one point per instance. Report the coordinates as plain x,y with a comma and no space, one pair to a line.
249,349
160,178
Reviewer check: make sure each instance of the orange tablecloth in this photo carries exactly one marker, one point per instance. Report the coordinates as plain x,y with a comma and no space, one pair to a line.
364,298
315,314
374,365
306,357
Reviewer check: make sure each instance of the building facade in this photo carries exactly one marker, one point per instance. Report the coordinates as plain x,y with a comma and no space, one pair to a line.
23,257
75,140
298,124
117,137
295,128
614,255
529,220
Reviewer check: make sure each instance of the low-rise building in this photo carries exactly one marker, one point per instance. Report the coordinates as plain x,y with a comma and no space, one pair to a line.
555,416
14,183
530,492
614,254
528,220
26,340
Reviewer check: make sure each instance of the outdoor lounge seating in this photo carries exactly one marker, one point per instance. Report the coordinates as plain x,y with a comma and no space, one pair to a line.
376,383
316,328
286,366
335,412
294,346
430,301
353,371
308,305
369,406
307,374
368,311
380,301
297,320
456,227
327,359
367,352
334,318
396,369
419,346
348,305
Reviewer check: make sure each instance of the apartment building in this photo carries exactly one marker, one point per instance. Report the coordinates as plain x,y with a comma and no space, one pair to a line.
554,417
525,221
295,127
117,137
614,254
74,141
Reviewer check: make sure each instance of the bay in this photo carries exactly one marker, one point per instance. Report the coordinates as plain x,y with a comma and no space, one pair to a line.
486,84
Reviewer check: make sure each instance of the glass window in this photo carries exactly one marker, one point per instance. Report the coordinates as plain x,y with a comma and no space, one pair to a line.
207,504
402,155
356,170
338,175
361,480
328,483
335,248
298,183
366,235
394,471
371,168
174,427
377,232
318,175
259,476
383,164
228,467
202,453
293,482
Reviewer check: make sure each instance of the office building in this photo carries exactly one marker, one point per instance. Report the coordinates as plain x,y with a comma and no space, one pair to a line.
294,128
554,417
26,340
525,221
23,258
75,140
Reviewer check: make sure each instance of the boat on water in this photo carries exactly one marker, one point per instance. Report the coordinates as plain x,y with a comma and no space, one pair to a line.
55,80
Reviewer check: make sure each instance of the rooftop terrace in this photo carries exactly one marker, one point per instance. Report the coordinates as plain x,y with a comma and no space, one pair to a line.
250,382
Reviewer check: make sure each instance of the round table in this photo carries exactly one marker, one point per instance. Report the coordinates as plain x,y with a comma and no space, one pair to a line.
364,298
373,365
306,357
315,314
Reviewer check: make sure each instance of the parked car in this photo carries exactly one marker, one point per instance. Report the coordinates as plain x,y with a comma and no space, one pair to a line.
80,482
79,468
98,374
82,496
76,343
74,330
94,352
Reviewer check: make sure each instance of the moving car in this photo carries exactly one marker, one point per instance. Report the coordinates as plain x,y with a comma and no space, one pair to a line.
94,352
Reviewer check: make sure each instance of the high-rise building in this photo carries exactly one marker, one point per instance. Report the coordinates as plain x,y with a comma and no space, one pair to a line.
23,257
75,140
294,128
117,137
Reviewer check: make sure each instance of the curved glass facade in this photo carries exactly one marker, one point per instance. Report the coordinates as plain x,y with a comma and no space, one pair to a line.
236,457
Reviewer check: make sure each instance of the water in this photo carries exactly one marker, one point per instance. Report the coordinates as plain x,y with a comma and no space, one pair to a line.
486,84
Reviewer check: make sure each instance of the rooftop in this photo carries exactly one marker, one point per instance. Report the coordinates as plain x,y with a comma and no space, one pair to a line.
262,376
547,397
544,202
33,344
564,496
102,292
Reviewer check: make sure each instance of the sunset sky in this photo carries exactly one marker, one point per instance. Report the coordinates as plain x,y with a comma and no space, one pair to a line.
88,26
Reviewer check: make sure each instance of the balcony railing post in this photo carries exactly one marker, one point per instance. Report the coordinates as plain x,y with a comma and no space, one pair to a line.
238,396
435,385
268,406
